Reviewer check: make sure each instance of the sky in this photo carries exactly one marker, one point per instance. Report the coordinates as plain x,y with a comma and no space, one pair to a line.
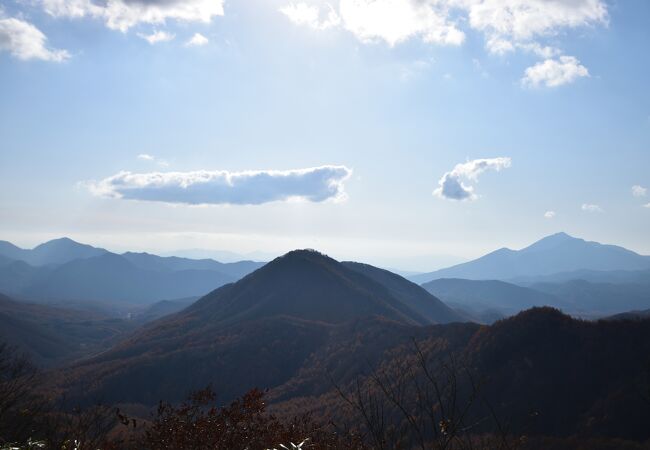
411,134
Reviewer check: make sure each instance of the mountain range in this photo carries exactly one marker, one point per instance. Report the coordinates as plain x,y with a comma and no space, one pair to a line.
483,297
551,255
63,270
257,331
304,321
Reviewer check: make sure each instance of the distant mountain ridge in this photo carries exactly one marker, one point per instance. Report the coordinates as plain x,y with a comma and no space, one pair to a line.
479,296
56,251
552,254
63,269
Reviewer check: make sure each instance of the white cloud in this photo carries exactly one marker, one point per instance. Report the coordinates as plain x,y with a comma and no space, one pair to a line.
197,40
451,185
554,72
151,158
591,208
310,15
24,41
157,36
505,24
395,21
542,51
549,214
124,14
639,191
499,46
526,20
647,205
315,184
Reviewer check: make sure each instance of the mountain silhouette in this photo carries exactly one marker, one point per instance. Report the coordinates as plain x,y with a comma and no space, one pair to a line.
173,263
56,251
552,254
415,297
111,277
65,270
256,332
308,285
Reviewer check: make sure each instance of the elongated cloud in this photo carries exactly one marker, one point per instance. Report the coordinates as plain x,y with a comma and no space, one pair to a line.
204,187
549,214
24,41
639,191
451,186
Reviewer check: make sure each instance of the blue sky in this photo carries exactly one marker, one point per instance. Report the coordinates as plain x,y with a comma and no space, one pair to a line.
325,125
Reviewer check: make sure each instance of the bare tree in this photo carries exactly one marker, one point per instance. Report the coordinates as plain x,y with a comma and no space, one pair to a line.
427,401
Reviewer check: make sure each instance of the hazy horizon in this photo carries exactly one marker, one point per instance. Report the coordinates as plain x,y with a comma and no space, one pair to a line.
411,137
418,264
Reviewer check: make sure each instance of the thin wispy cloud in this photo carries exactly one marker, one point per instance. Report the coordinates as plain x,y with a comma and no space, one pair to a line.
197,40
589,207
452,185
316,184
639,191
549,214
157,36
24,41
153,159
124,14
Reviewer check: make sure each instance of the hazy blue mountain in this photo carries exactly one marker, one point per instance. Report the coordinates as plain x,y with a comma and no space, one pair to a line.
5,261
56,251
162,308
11,252
595,276
173,263
630,315
596,299
16,276
113,277
480,297
221,255
63,250
409,293
552,254
66,272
